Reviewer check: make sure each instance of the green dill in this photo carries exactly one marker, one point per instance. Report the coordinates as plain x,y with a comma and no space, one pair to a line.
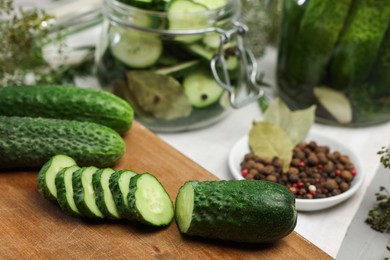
24,35
379,216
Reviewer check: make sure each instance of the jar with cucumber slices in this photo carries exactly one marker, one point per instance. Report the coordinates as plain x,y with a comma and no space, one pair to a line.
336,54
181,64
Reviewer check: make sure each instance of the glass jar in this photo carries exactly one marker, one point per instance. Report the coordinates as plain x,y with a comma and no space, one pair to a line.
180,69
336,55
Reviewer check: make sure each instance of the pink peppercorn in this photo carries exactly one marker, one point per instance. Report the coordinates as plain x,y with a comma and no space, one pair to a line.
244,172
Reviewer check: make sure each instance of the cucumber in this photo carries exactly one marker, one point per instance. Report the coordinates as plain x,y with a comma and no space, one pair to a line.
104,198
31,142
359,43
319,31
67,102
84,194
119,184
47,174
136,49
178,70
214,4
187,15
65,193
148,201
201,88
207,54
243,211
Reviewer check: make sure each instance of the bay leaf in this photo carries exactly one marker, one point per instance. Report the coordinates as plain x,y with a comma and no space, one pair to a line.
335,102
158,95
296,124
268,140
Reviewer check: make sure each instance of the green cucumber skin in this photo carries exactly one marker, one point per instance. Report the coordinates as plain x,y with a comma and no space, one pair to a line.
67,102
61,193
132,211
79,194
117,194
243,211
359,43
31,142
292,14
318,32
100,194
379,74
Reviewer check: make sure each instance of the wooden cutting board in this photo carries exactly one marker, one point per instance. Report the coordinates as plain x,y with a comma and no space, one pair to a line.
33,228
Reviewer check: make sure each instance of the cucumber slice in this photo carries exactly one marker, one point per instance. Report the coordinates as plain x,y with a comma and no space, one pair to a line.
64,186
119,184
207,54
201,88
179,20
84,194
135,49
104,199
179,70
148,201
46,176
211,4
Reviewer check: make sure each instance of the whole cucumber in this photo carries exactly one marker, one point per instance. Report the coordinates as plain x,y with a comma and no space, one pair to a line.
359,43
67,102
31,142
243,211
317,35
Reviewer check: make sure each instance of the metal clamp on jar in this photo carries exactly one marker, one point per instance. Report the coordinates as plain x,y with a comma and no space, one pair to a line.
181,68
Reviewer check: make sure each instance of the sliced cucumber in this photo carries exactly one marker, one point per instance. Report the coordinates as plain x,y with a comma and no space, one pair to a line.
207,54
148,201
119,184
84,194
186,15
178,70
104,199
201,88
211,4
65,190
134,48
47,175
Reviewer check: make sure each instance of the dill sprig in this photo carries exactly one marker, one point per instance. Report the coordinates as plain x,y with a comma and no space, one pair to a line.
379,216
24,34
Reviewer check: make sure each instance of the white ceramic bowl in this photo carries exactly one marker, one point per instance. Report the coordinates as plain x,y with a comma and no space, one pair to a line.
241,147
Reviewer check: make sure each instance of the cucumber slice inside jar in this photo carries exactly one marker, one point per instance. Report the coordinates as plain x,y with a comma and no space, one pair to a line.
134,48
211,4
201,88
186,15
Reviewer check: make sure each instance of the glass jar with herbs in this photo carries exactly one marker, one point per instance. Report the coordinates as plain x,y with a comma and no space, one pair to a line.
336,54
181,64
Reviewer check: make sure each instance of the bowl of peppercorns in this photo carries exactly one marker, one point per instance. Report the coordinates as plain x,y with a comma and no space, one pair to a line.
322,172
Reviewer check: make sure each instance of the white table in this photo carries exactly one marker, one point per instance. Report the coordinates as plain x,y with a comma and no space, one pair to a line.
209,147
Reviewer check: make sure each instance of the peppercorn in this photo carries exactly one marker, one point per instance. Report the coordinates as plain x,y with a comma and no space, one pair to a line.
314,172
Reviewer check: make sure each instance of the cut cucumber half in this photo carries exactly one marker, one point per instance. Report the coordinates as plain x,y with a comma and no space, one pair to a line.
119,184
186,15
47,175
148,201
104,199
134,48
84,194
185,207
201,88
65,191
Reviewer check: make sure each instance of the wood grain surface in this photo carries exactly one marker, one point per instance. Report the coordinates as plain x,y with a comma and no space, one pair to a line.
32,227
